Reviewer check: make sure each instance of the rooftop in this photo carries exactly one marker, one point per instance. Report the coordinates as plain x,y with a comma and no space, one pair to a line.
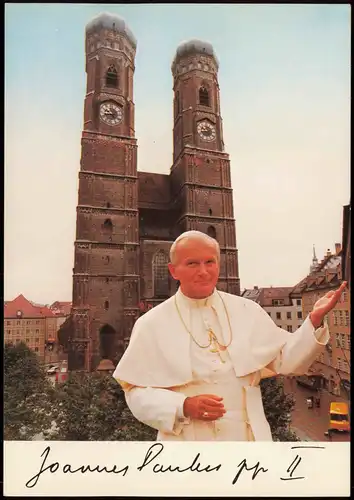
105,20
20,307
194,47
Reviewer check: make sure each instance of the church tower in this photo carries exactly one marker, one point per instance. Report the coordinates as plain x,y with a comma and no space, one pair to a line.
106,274
200,174
314,264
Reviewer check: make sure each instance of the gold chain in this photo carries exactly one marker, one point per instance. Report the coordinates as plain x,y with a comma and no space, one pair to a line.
212,335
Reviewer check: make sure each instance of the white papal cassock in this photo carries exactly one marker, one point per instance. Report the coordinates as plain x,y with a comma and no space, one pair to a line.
163,365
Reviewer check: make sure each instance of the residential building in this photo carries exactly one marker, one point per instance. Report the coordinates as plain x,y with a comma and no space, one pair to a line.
29,323
333,364
346,232
284,308
55,352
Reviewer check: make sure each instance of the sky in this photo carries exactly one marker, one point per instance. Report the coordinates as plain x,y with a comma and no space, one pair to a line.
284,81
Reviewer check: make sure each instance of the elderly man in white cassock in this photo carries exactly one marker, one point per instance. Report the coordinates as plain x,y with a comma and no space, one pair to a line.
194,363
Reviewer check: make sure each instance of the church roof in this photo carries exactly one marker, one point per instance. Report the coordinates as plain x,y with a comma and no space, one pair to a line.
154,190
194,47
112,22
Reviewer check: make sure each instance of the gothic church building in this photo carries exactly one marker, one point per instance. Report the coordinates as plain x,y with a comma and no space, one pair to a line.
127,220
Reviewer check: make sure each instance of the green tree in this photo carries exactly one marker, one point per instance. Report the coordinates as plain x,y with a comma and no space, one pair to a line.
92,407
28,394
277,408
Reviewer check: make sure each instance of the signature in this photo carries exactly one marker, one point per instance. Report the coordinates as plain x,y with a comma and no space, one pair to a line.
153,462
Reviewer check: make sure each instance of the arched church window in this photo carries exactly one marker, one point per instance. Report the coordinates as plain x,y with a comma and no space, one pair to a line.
107,226
160,274
112,77
204,96
177,103
107,336
211,231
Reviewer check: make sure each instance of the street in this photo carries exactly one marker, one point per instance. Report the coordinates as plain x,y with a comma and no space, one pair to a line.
311,424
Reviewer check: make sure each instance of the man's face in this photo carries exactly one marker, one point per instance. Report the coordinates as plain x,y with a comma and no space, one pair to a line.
196,267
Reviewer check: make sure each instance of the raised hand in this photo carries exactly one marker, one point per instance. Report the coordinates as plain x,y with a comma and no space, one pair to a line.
204,407
325,304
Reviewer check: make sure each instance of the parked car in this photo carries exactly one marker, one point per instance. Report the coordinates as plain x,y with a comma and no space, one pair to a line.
310,382
339,417
52,370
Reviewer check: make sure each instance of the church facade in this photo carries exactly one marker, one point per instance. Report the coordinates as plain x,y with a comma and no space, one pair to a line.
127,220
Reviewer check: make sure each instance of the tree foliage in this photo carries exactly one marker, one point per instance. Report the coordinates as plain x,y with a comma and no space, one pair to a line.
87,407
28,394
277,408
92,407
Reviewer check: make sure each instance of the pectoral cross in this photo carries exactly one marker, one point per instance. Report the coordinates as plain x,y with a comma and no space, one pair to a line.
215,347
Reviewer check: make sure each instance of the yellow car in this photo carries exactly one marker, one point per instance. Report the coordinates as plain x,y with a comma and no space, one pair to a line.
339,417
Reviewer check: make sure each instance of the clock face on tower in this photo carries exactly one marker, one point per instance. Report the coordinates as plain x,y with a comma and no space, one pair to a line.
206,131
111,113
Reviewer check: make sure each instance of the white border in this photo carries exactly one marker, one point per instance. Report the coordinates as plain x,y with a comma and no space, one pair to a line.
325,469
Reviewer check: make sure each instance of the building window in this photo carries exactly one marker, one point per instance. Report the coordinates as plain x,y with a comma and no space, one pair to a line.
346,318
28,322
36,349
27,341
342,344
348,342
8,323
37,322
337,340
298,302
160,274
210,211
278,315
108,205
339,363
112,77
106,305
335,318
204,97
288,315
299,315
37,340
289,328
341,318
270,314
18,341
211,231
107,227
177,103
18,322
277,302
37,331
107,259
